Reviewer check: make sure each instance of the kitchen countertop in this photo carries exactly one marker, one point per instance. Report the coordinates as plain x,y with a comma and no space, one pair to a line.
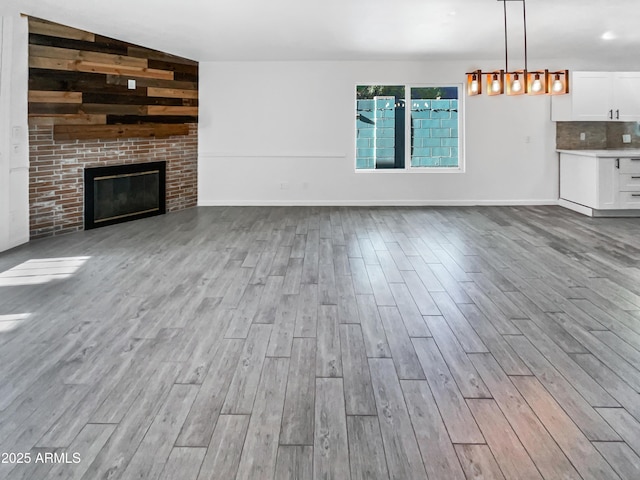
629,152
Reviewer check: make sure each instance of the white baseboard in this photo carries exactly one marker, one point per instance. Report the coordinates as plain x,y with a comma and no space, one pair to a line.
576,207
374,203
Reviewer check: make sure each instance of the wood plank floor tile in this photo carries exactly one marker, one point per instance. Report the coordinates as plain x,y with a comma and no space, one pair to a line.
266,311
411,316
244,383
330,450
389,267
283,327
294,463
626,396
623,460
465,334
548,458
155,448
510,362
379,285
87,444
478,462
307,313
347,304
328,355
464,373
585,417
223,455
402,351
297,417
510,454
401,448
627,426
435,444
358,391
455,413
419,292
198,427
242,317
608,356
260,449
361,283
353,341
589,388
571,440
375,338
492,311
366,453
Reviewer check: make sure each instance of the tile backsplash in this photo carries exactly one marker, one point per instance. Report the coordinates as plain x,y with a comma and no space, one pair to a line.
598,135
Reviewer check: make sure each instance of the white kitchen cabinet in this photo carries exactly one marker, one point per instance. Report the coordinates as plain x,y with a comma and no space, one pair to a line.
600,182
599,96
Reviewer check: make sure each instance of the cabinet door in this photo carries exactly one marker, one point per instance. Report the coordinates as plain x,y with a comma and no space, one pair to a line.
592,97
626,96
608,183
579,176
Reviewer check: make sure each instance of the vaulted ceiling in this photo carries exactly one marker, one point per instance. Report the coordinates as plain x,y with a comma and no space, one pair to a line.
590,31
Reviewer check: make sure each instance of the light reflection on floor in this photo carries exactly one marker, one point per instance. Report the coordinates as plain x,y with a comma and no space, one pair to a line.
12,321
41,270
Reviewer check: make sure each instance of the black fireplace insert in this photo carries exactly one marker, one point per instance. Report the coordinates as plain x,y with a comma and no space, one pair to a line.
122,193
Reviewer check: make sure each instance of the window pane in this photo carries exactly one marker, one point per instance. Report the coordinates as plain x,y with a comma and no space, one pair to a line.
434,127
380,122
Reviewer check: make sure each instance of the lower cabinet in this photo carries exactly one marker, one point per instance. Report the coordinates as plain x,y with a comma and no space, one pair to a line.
597,184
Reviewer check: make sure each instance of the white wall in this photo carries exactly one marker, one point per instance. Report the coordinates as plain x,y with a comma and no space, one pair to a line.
263,124
14,148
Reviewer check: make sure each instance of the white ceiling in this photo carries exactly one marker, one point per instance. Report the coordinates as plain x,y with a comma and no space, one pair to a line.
210,30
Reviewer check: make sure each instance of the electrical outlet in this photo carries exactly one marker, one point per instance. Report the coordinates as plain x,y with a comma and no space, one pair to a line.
583,136
284,186
626,138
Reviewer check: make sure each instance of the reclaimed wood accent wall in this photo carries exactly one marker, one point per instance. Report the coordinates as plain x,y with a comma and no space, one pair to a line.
79,83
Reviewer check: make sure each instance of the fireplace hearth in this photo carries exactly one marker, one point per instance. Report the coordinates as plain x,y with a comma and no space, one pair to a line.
122,193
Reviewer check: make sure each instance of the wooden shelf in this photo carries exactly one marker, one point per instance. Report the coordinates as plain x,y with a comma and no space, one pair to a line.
85,132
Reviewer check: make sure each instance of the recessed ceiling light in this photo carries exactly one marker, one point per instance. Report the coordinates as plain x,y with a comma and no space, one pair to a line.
609,35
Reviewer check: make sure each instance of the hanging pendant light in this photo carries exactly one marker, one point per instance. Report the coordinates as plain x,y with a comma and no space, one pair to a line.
518,82
558,82
538,82
495,86
474,83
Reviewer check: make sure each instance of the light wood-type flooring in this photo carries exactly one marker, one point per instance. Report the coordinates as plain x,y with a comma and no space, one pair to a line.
325,343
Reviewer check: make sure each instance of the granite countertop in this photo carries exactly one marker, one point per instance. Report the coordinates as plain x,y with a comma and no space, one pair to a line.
628,152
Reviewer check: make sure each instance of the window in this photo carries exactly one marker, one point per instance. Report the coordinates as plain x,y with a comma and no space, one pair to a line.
430,126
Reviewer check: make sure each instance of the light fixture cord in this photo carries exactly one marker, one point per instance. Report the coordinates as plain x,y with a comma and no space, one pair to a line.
506,54
524,16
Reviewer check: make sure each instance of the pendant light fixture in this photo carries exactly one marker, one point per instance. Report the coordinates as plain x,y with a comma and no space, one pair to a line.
518,82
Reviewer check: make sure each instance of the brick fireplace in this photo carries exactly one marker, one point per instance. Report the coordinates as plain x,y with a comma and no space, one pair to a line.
57,168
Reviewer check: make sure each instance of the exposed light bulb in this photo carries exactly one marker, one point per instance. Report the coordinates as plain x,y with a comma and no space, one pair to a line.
474,85
495,84
558,86
516,86
536,86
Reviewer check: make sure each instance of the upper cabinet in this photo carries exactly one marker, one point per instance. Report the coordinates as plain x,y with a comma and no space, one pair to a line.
626,96
599,96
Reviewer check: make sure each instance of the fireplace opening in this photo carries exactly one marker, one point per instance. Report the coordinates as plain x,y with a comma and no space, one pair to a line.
122,193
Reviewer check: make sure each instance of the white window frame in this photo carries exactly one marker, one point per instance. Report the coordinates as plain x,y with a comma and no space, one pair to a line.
461,168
